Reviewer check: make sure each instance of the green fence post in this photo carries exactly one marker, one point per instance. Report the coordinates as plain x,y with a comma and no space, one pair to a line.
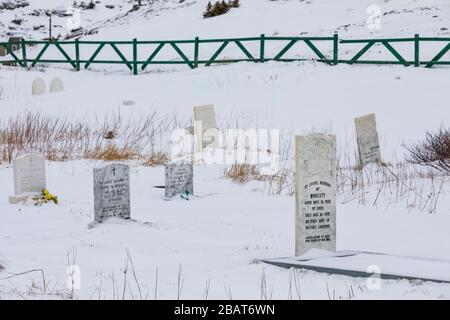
24,53
335,49
416,50
196,51
135,64
262,48
77,54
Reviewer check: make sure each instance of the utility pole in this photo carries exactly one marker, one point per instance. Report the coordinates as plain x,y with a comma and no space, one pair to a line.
50,27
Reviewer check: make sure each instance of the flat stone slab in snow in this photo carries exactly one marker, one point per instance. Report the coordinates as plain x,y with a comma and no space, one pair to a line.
355,264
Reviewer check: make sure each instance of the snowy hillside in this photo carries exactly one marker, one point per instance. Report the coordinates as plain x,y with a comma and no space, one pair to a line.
214,243
174,19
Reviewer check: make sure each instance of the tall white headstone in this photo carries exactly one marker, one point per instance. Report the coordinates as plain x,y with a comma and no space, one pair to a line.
56,85
315,192
29,176
112,192
205,126
38,87
368,141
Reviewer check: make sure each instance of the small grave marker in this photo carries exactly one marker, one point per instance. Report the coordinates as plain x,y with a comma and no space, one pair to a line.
368,141
179,179
112,192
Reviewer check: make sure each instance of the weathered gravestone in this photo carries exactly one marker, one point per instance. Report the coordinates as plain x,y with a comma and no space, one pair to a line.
38,87
205,127
367,137
112,192
179,179
56,85
29,177
315,192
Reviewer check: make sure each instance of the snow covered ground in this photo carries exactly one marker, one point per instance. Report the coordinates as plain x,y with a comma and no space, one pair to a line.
219,237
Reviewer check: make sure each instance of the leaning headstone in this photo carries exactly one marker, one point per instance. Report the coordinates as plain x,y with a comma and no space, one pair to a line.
29,177
205,127
368,141
38,87
179,180
112,192
56,85
315,192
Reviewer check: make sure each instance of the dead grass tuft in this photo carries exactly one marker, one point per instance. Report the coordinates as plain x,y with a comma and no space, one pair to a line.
113,153
241,173
156,159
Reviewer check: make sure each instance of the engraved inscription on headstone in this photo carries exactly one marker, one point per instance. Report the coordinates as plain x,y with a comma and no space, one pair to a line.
368,142
205,127
38,87
315,193
112,192
56,85
179,179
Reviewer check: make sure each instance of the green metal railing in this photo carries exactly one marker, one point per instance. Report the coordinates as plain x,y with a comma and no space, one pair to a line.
242,43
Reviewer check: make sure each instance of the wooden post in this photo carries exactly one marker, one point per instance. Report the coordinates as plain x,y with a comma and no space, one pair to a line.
135,70
50,27
196,52
416,50
24,52
335,49
77,54
262,48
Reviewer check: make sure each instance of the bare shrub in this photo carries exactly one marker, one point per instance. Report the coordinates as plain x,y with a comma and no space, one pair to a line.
433,152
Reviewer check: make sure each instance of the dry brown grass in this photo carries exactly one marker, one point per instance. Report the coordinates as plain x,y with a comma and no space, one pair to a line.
61,138
113,153
380,184
241,173
156,159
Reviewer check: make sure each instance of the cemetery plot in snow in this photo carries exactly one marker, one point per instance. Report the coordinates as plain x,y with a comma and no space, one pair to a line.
212,183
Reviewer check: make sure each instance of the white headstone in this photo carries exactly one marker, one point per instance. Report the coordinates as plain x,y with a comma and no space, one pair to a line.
368,142
179,179
38,87
112,192
315,192
205,127
56,85
29,176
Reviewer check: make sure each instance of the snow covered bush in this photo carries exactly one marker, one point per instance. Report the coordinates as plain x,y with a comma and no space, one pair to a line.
433,152
83,5
219,8
11,5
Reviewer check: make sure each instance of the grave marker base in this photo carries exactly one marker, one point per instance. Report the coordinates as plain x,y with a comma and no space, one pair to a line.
21,197
355,264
